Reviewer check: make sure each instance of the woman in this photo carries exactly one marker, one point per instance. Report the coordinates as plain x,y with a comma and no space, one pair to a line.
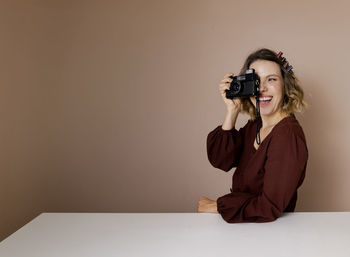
265,182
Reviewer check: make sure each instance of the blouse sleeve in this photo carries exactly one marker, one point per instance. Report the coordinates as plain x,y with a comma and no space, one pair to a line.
284,173
224,147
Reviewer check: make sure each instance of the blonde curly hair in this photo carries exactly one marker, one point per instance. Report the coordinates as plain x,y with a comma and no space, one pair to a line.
293,93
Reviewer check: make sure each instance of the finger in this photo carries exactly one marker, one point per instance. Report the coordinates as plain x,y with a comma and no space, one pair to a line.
203,199
222,87
226,80
228,75
223,93
200,202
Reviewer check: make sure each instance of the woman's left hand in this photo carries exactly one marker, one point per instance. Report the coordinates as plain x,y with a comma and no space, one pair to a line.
206,205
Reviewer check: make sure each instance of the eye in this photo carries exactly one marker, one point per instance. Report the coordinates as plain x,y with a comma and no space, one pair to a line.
272,79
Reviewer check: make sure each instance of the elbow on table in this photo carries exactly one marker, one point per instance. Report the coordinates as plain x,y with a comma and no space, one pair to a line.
267,219
251,220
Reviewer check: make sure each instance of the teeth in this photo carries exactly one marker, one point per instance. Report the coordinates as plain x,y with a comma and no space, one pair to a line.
265,98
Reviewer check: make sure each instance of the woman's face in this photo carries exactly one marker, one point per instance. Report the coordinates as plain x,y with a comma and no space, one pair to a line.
271,87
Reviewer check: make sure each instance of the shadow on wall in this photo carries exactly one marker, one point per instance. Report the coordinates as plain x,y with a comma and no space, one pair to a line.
319,185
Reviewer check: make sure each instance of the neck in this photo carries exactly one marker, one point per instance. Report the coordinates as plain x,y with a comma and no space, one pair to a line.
271,120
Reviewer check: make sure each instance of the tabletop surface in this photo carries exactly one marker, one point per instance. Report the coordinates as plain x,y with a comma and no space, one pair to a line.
179,234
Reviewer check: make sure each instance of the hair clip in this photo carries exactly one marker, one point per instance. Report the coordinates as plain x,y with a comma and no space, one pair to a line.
285,63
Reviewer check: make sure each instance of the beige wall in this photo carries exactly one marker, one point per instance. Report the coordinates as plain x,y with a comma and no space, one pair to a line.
106,105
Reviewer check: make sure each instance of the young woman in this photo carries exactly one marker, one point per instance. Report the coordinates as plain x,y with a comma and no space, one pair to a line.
267,175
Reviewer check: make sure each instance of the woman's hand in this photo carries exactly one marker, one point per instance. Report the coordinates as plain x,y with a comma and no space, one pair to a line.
232,105
206,205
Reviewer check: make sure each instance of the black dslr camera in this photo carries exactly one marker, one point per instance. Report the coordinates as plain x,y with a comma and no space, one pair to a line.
244,85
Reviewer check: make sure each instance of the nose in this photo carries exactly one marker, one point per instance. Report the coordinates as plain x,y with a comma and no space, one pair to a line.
263,87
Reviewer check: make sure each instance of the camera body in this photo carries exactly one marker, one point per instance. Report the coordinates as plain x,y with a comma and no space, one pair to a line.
244,85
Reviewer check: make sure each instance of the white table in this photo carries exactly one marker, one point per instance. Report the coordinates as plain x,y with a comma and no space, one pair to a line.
179,234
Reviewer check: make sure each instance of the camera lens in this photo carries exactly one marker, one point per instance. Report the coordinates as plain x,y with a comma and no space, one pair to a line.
236,87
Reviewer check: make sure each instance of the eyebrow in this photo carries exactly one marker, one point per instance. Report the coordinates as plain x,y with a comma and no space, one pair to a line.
272,75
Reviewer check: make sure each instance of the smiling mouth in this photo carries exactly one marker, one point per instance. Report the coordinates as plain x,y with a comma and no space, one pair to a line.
265,99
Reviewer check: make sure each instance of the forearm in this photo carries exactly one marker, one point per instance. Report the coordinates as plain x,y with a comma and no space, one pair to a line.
230,120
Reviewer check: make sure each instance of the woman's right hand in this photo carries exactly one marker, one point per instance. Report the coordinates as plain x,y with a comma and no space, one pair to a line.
232,105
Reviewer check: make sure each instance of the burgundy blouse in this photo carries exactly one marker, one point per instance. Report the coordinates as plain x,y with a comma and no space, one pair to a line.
265,182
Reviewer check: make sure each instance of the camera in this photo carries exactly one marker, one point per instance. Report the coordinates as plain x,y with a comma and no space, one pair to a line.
244,85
